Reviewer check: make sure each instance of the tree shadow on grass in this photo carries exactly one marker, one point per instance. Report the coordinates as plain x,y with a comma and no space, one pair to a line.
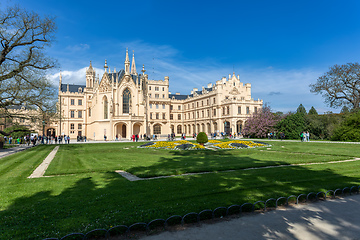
103,200
181,162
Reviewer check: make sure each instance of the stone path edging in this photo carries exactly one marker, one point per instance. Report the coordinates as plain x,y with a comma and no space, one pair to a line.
40,170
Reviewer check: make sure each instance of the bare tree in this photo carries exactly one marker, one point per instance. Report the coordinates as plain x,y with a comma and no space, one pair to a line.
24,37
340,86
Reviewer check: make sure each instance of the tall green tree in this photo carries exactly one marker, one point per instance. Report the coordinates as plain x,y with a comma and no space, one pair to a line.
349,130
292,125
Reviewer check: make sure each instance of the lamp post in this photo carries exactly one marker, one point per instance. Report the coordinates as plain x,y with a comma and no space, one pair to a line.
42,139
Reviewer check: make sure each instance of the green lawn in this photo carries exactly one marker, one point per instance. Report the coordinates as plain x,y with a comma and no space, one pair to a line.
85,193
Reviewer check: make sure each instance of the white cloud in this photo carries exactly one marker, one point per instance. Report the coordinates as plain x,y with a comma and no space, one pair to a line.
73,77
79,47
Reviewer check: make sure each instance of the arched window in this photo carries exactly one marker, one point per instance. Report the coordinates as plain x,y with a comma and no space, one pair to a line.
157,129
105,108
178,128
126,101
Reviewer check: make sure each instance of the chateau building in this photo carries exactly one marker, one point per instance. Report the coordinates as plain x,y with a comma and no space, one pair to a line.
125,102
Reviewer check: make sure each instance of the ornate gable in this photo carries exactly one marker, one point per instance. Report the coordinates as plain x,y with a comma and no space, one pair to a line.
234,91
105,84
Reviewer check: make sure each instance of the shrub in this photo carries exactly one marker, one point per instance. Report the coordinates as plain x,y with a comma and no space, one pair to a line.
202,138
349,130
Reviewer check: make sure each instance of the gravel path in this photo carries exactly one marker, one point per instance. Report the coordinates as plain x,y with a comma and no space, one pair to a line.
40,170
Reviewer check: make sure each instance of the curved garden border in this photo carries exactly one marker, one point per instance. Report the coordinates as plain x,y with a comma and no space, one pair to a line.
207,214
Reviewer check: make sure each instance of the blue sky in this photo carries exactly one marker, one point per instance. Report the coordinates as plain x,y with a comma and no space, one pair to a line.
280,47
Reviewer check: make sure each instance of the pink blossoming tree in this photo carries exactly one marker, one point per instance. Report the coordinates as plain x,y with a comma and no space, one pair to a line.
261,123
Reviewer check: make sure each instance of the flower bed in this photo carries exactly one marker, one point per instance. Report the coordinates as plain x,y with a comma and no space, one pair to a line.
212,144
239,144
176,145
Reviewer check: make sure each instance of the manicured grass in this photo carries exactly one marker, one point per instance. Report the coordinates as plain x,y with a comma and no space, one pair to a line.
160,162
88,194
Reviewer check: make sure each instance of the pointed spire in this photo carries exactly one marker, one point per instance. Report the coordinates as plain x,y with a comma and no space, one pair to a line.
133,66
106,66
90,70
127,62
143,70
60,81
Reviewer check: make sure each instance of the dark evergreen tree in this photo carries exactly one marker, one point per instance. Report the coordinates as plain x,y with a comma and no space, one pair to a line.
301,109
312,111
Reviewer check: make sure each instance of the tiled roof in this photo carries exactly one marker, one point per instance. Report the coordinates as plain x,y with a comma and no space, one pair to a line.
72,87
178,97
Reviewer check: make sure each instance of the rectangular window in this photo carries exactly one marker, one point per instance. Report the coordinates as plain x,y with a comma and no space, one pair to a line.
72,114
247,110
179,116
171,117
150,105
156,95
79,114
89,112
255,109
149,87
157,115
163,89
80,102
72,101
228,110
239,110
179,107
163,95
164,116
163,106
72,126
171,107
150,95
157,106
156,88
150,115
214,113
79,126
214,100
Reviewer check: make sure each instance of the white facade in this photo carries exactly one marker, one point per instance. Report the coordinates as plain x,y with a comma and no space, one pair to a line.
125,103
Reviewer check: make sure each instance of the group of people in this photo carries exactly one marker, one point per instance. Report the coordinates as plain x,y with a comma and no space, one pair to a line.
55,140
34,139
305,136
274,135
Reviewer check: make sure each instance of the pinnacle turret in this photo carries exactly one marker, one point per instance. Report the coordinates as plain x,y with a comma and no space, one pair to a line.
133,66
127,62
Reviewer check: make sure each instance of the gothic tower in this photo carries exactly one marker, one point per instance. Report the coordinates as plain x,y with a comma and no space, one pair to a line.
90,77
